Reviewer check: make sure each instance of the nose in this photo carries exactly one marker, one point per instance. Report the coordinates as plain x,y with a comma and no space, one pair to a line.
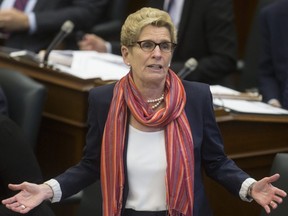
157,51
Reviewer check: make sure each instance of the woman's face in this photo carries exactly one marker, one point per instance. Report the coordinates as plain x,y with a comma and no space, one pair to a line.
149,67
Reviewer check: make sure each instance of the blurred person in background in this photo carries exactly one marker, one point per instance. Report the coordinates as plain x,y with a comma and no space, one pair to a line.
273,66
32,24
206,32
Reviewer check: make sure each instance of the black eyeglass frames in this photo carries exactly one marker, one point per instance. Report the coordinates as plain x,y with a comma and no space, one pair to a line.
149,46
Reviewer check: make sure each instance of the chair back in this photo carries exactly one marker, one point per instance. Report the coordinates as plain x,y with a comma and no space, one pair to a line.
25,98
280,165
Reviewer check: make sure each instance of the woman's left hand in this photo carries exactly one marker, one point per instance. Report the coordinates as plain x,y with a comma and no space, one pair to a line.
266,195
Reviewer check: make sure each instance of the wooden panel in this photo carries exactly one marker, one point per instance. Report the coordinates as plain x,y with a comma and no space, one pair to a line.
252,142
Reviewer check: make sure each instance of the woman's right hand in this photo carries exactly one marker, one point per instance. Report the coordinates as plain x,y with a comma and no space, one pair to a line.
30,196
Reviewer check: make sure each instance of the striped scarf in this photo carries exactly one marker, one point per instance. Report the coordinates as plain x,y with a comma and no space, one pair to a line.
178,141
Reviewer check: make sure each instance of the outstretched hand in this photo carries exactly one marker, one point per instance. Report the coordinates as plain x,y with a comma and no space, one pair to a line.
30,196
266,195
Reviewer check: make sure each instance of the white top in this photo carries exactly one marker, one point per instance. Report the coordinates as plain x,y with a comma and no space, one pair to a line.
146,165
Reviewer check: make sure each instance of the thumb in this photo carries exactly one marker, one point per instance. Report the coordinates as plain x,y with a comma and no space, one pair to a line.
273,178
15,186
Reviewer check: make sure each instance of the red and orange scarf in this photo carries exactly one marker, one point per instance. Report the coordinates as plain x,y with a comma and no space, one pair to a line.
178,141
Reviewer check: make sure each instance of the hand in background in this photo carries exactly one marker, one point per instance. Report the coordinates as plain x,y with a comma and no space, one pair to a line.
266,195
13,20
30,196
275,103
92,42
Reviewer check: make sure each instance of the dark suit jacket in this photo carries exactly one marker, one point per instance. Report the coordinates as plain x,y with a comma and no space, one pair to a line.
273,67
50,15
208,147
17,164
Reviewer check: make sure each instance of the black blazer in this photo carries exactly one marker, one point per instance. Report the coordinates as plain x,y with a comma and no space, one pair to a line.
50,15
208,147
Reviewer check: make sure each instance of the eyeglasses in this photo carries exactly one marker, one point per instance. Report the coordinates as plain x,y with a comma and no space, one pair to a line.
149,46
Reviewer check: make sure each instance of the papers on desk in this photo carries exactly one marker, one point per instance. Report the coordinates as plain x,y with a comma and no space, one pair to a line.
253,107
89,64
227,93
241,105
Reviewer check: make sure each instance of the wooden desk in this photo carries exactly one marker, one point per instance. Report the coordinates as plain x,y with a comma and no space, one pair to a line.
251,140
63,128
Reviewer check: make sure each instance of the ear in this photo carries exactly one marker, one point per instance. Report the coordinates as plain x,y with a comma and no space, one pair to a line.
125,54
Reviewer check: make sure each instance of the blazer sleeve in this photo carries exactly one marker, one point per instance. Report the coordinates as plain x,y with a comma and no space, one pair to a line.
87,171
208,144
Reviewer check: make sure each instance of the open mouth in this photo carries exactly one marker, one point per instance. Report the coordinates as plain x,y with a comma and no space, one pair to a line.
155,66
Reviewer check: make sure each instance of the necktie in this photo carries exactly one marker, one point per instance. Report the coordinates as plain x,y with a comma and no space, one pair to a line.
20,4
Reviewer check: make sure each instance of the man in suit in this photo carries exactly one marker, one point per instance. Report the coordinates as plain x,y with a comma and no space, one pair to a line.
17,163
206,32
35,27
273,67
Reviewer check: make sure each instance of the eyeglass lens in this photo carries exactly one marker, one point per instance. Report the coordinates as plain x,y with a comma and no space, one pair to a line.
149,46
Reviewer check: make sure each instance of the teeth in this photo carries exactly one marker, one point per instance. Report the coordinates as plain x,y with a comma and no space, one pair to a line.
156,66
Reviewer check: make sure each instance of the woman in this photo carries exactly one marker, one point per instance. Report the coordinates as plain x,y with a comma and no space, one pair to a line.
150,135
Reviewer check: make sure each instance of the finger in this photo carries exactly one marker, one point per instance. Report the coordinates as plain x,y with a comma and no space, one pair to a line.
273,178
267,209
280,193
14,186
24,209
9,200
277,199
273,204
14,205
19,208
